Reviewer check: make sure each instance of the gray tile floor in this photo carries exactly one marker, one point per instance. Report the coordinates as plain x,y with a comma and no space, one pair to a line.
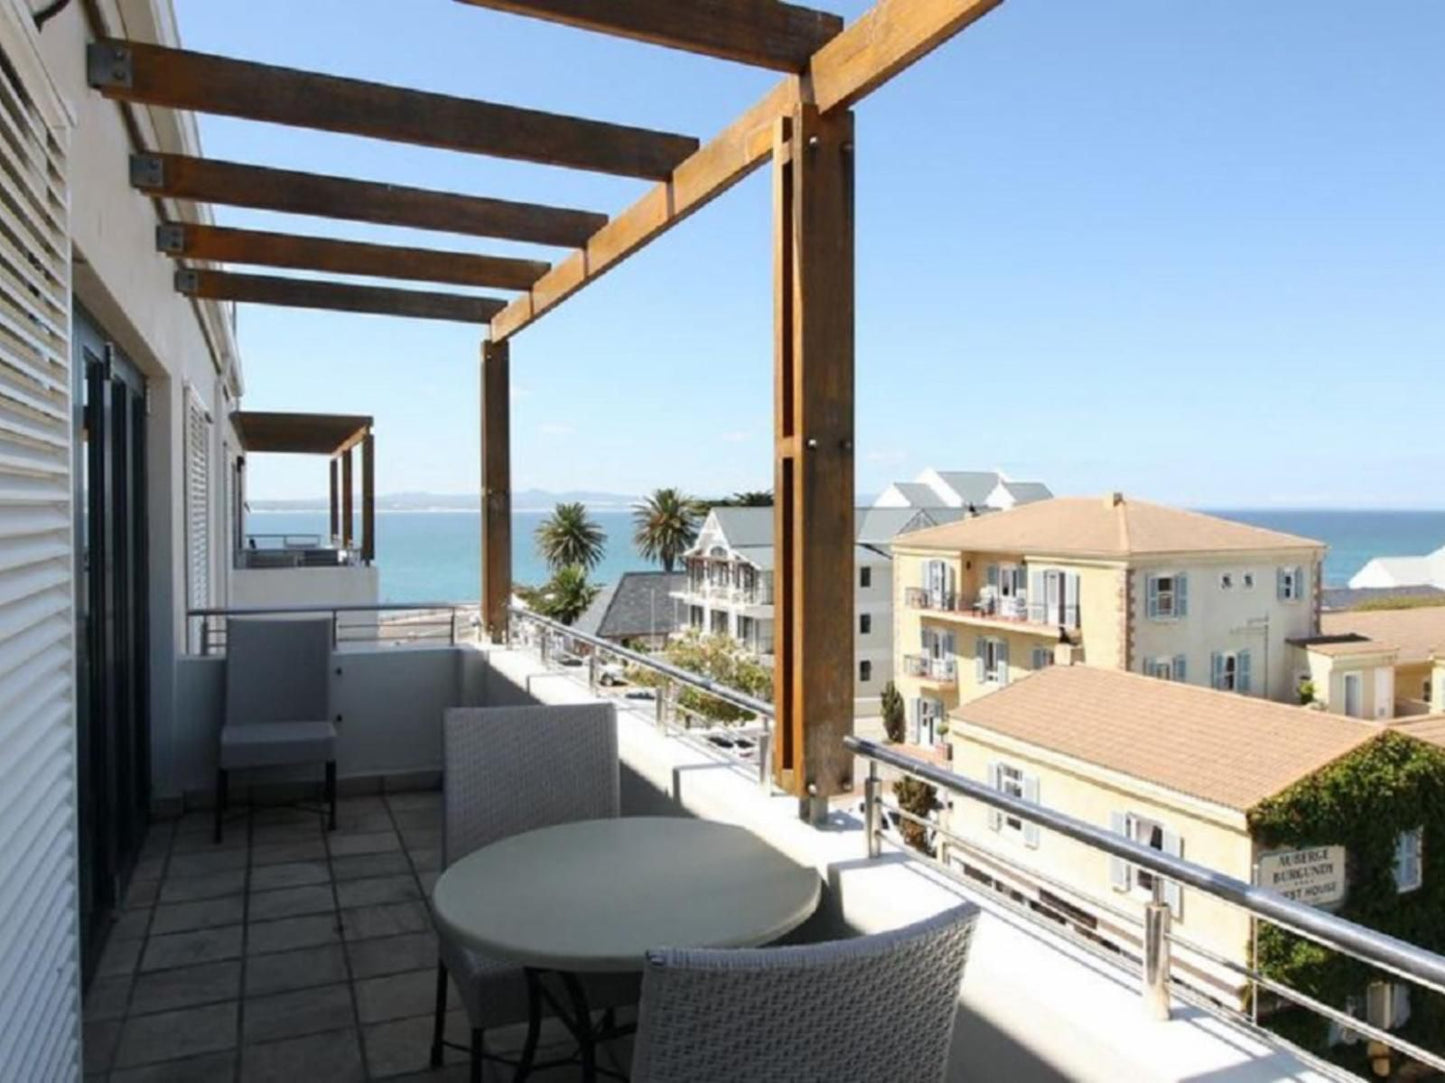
285,953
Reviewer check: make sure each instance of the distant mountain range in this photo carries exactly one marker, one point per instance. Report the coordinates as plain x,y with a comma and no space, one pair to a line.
523,500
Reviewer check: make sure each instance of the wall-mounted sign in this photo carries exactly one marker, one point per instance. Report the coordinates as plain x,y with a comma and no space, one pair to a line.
1315,876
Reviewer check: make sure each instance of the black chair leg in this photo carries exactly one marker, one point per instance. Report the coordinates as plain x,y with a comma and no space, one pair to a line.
476,1074
439,1024
220,800
331,793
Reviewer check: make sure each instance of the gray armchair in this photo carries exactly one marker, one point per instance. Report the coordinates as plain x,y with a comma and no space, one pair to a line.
278,701
507,770
875,1007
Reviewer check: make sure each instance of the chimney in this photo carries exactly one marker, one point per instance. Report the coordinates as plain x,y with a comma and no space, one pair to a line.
1113,500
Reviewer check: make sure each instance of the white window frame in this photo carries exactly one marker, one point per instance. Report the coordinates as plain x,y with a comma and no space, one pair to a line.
865,671
1229,672
1130,878
865,624
1017,783
1409,864
1292,589
992,657
1160,594
865,577
1161,668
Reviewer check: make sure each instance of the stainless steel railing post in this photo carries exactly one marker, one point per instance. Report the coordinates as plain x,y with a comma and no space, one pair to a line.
661,705
765,761
1157,919
592,672
871,786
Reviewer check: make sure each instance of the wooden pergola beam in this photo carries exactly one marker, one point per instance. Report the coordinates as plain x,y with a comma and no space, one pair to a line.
337,296
496,447
134,71
219,244
205,180
868,52
761,32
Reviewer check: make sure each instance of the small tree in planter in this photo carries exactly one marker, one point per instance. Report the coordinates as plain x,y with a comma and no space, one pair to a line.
894,722
920,799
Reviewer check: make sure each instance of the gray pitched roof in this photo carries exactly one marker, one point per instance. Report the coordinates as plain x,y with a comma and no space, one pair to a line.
743,527
917,494
1026,492
639,603
972,486
749,531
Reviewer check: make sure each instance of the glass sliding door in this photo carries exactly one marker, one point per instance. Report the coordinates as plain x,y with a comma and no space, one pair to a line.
112,607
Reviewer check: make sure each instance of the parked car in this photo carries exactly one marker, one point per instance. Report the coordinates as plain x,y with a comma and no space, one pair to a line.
639,693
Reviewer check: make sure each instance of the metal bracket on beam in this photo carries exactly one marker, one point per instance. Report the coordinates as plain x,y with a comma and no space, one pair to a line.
171,237
109,66
187,281
147,171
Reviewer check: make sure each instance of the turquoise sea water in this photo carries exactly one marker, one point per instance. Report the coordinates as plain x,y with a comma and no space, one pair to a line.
433,555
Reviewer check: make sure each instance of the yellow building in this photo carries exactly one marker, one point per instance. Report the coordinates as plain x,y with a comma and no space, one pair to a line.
1377,663
1175,767
1109,582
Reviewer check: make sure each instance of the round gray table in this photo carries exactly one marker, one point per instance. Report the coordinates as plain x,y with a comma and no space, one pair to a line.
594,896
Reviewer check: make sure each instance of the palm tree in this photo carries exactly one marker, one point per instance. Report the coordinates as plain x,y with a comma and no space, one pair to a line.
567,596
748,498
569,537
666,525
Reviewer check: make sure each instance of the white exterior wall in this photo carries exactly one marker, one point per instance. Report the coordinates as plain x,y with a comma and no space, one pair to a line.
1217,618
177,343
305,586
876,647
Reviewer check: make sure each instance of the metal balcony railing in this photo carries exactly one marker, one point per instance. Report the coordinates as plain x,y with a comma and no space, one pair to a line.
747,743
929,668
1380,950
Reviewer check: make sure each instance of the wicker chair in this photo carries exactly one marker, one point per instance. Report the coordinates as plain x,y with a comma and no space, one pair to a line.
876,1007
278,702
509,770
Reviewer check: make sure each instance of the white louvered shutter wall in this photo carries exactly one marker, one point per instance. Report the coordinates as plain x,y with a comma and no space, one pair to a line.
39,980
198,502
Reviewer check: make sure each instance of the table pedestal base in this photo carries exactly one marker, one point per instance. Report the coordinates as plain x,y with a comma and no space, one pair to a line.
572,1010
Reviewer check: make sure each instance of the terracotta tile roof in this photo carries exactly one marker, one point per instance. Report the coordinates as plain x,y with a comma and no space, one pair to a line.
1424,727
1417,632
1223,747
1108,526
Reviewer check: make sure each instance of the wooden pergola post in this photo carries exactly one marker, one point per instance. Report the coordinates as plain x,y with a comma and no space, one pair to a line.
347,524
368,498
496,490
813,442
335,499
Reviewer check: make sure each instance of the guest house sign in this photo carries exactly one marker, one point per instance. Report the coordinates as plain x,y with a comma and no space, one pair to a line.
1315,875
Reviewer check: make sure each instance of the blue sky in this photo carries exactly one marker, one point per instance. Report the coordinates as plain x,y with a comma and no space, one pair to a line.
1192,252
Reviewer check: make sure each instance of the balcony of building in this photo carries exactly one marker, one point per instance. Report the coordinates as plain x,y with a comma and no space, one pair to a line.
933,670
990,611
289,951
337,567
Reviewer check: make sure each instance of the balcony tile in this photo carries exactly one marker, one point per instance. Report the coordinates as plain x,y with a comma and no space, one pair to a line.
362,866
333,1057
301,968
404,1046
398,996
426,859
301,1011
415,800
289,933
214,1066
291,902
142,893
392,954
205,914
119,958
289,874
377,842
388,920
279,853
194,888
131,924
186,987
100,1038
205,863
373,892
187,949
106,999
173,1035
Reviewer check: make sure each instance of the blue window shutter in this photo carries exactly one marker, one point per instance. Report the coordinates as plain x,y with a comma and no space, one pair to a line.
1003,661
1180,668
1241,673
1071,599
1299,582
979,649
1216,670
993,575
1037,594
950,645
1181,595
1279,583
1152,608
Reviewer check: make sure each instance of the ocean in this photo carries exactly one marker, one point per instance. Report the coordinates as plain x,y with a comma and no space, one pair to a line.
433,555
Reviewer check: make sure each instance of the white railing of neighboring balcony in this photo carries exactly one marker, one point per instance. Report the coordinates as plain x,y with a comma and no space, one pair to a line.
384,624
1395,957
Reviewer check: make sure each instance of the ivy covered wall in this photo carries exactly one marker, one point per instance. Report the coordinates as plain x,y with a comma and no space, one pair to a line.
1363,801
